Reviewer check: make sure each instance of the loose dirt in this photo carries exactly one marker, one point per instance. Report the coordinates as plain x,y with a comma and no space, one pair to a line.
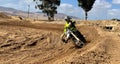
24,42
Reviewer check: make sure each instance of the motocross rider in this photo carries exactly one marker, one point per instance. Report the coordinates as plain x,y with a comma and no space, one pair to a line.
69,25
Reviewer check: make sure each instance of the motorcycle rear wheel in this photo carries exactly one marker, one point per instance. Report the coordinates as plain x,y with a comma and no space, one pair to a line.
78,44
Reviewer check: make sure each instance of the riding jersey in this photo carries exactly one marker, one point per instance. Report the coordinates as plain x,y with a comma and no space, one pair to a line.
69,25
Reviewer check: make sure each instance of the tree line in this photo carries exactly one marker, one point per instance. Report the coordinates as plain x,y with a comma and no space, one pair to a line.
50,7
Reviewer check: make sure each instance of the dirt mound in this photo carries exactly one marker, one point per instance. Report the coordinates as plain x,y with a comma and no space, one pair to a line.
39,43
2,15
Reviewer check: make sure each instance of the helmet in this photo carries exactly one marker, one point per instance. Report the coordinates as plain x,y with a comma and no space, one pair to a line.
68,18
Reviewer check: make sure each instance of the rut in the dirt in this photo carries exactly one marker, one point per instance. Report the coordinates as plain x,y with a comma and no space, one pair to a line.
34,43
21,43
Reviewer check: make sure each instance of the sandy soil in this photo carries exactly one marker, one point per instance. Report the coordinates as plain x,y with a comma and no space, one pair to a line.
25,42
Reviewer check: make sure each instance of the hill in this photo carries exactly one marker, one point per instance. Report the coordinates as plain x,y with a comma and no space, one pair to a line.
33,15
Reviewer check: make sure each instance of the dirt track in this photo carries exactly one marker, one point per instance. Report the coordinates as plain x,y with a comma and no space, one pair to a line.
39,43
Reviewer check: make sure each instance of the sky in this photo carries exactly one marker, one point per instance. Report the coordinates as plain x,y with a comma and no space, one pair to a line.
102,9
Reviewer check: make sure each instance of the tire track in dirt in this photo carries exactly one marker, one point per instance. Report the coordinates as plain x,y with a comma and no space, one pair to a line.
80,52
68,50
49,27
51,51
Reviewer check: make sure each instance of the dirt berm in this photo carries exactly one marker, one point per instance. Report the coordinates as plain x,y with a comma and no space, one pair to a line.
39,43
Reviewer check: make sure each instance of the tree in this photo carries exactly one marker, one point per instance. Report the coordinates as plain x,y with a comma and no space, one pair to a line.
86,5
48,6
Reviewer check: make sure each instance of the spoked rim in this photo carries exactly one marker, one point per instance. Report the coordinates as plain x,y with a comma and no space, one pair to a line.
79,44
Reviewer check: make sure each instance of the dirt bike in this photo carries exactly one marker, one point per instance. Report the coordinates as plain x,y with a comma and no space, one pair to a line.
76,38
